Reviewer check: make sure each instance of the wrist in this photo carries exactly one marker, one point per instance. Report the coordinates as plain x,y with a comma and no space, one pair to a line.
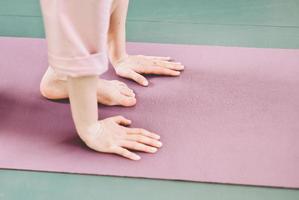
115,59
87,132
117,50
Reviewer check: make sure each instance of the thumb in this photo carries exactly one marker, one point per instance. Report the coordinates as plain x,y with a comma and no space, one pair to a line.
131,74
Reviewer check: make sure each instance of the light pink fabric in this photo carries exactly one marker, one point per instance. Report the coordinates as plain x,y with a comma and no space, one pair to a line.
76,33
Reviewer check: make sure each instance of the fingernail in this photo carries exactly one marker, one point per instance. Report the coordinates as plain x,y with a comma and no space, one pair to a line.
136,157
156,136
177,73
160,144
153,150
145,83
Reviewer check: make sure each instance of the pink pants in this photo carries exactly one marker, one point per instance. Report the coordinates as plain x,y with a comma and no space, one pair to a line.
76,32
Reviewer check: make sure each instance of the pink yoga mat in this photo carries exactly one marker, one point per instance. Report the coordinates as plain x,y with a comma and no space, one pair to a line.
231,117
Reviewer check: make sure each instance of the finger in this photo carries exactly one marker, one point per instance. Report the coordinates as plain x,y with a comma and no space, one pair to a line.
138,146
159,58
121,120
125,153
144,140
160,71
140,131
139,78
128,73
169,65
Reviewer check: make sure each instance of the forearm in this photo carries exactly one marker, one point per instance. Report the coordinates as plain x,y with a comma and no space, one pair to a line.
83,100
117,30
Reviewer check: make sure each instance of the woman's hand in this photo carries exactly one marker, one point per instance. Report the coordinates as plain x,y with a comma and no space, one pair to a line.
132,66
111,136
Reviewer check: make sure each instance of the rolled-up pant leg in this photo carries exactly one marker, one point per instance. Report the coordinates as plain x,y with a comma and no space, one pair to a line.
76,32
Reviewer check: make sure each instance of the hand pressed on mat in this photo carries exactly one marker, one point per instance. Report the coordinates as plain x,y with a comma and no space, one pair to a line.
111,136
132,66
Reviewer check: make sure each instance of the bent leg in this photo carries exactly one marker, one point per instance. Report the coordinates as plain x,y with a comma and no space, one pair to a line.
76,33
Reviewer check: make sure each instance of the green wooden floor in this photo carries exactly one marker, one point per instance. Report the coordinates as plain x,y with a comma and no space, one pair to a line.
254,23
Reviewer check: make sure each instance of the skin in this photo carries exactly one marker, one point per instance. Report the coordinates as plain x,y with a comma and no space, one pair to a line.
111,135
108,92
132,66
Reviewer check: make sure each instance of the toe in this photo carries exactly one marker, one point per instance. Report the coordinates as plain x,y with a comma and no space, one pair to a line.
127,92
127,101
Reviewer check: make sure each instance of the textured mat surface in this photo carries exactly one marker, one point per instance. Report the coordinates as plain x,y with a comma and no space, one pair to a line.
230,118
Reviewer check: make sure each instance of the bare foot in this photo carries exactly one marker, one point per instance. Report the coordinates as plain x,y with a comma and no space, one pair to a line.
109,92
